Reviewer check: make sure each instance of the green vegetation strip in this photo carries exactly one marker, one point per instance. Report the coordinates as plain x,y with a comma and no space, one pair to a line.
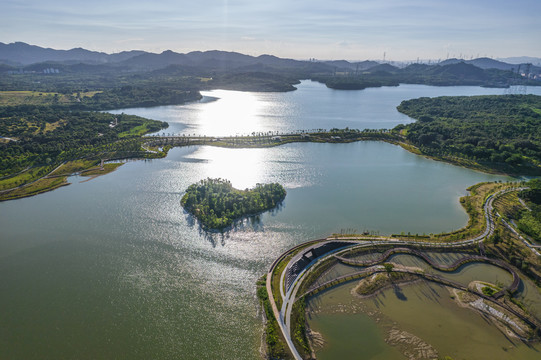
298,322
276,348
529,219
37,187
40,180
507,245
96,171
24,177
276,276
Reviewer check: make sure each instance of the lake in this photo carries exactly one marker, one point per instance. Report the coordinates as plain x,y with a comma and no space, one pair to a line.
312,106
114,268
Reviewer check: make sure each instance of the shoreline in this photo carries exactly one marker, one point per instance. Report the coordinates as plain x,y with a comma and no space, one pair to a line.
395,334
300,289
52,182
158,147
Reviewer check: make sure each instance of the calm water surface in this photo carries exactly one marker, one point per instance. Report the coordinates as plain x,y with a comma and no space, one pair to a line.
423,309
312,106
114,268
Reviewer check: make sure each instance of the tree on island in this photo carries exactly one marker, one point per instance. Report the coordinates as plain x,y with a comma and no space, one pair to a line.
216,204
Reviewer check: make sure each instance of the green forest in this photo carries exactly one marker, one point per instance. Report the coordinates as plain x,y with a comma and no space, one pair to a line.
134,96
446,75
216,204
500,132
48,135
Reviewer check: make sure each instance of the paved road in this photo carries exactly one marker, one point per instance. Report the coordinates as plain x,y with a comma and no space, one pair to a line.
289,297
526,242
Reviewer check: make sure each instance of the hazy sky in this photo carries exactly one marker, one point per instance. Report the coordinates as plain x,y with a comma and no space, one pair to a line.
343,29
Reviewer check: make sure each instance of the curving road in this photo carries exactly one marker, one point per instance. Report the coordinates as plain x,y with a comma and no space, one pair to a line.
289,296
533,248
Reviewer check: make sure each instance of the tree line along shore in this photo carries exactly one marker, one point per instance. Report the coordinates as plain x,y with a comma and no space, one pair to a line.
497,134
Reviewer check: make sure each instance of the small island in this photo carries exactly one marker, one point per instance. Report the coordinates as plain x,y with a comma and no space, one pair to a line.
216,204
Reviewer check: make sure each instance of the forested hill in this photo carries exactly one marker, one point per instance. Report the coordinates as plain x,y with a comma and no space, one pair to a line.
500,132
31,68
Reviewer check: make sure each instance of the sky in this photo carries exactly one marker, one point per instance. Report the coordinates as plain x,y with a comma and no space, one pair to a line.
339,29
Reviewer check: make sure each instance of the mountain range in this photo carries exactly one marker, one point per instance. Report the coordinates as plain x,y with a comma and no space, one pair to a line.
21,55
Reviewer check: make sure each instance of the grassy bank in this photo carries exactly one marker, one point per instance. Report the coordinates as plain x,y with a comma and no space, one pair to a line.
132,145
40,180
37,187
276,347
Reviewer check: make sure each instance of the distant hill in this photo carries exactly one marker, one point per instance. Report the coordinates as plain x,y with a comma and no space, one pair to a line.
153,61
483,63
216,58
383,68
450,61
20,53
417,68
522,60
196,70
451,74
4,68
341,65
23,58
461,69
458,69
221,61
487,63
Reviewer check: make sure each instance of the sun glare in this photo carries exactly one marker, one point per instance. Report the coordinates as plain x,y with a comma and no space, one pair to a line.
233,113
243,167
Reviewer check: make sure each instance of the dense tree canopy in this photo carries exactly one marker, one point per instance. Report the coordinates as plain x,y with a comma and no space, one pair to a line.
43,135
503,131
217,204
133,96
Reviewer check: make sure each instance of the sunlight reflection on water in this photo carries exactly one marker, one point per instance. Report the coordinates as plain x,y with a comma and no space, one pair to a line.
155,285
312,106
242,109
